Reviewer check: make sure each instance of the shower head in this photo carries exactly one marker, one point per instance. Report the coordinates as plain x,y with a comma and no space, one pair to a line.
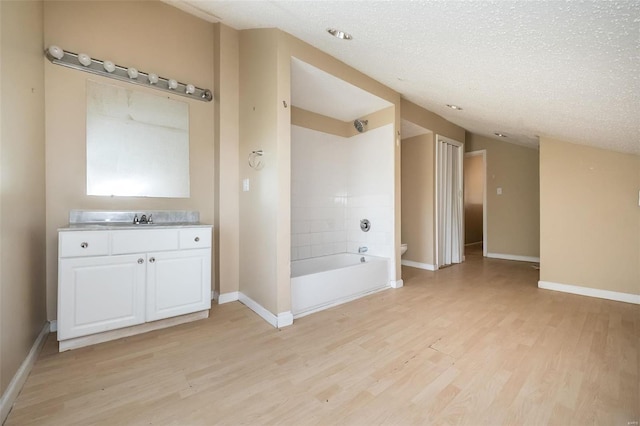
359,124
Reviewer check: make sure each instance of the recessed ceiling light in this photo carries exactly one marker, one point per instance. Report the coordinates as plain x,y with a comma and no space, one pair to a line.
339,34
502,135
456,107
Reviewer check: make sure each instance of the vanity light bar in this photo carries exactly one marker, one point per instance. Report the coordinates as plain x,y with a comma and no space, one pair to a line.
130,75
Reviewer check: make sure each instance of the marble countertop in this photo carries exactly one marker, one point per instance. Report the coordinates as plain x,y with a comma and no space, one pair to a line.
111,226
93,220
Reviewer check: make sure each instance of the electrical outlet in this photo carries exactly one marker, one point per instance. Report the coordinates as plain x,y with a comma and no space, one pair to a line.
245,185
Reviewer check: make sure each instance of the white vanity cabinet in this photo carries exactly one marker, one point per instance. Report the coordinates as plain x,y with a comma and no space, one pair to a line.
115,278
175,283
100,293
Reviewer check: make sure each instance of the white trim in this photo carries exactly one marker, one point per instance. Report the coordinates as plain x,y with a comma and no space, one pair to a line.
15,386
591,292
285,319
214,295
419,265
396,283
514,257
258,309
53,326
232,296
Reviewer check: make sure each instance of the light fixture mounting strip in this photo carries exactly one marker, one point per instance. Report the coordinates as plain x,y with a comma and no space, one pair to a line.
70,60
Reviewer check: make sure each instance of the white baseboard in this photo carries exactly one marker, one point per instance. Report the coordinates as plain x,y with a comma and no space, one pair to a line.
53,326
285,319
106,336
418,265
514,257
282,320
396,284
591,292
15,386
227,297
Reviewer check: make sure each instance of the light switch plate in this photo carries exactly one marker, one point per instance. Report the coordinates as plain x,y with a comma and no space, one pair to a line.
245,185
499,191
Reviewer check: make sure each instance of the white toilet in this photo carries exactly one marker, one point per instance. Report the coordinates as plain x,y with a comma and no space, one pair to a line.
403,249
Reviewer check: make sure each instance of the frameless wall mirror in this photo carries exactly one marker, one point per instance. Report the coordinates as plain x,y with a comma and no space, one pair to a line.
137,143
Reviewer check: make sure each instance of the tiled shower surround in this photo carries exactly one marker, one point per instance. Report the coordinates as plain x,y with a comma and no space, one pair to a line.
336,182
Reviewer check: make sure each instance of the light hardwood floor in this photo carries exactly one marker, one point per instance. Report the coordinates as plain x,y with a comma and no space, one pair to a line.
475,344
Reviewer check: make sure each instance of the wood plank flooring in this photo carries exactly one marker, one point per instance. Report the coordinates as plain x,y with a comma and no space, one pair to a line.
475,344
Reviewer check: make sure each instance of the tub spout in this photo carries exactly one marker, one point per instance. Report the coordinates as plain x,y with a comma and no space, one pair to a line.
362,249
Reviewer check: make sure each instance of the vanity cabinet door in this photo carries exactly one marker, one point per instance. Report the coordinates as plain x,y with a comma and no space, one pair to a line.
98,294
178,283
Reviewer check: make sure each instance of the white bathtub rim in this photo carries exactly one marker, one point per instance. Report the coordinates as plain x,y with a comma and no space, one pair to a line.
338,302
369,259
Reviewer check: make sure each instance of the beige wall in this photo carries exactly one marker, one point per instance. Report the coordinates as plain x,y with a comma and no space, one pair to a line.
430,121
513,218
419,194
418,187
345,129
153,37
258,130
22,201
227,134
590,218
473,198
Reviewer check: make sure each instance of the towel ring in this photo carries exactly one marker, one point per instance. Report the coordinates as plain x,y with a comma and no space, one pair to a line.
255,159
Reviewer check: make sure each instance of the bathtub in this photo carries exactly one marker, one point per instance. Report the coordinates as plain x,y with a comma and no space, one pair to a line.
326,281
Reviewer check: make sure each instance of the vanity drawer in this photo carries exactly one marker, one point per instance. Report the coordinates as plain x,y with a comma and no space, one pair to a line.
85,243
193,238
144,240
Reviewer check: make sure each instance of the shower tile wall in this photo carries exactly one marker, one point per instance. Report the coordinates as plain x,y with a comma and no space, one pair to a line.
318,194
370,183
335,182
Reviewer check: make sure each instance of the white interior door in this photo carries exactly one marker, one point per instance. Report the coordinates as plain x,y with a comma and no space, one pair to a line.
450,202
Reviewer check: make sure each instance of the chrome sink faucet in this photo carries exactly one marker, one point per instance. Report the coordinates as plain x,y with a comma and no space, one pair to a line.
144,220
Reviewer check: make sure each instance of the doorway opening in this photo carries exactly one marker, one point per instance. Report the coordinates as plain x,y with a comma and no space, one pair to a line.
475,203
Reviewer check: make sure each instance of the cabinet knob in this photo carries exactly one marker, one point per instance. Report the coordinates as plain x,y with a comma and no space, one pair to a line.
140,261
152,260
196,239
84,245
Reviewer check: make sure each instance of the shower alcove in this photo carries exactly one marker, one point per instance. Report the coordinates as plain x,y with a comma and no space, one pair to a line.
342,172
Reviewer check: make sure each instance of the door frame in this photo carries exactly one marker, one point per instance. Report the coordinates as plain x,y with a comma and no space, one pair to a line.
438,140
483,154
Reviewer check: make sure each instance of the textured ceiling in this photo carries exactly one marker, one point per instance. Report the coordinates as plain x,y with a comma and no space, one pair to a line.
569,70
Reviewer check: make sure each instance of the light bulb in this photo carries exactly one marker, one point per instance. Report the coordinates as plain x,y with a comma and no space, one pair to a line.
56,52
190,89
84,59
153,78
109,66
133,73
172,84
